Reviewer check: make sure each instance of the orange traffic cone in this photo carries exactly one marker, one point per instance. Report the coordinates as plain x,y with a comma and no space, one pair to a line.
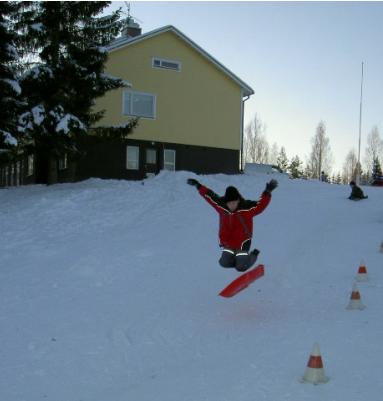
314,371
362,273
355,299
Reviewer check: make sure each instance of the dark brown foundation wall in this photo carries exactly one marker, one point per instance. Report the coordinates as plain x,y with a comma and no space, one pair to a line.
107,159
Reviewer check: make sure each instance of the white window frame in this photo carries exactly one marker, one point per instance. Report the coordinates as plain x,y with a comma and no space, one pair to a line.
162,64
130,112
31,165
170,166
136,161
154,150
63,162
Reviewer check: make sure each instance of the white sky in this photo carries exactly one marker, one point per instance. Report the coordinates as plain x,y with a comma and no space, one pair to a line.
303,60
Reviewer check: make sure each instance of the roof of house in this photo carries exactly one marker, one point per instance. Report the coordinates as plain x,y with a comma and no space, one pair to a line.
126,41
255,168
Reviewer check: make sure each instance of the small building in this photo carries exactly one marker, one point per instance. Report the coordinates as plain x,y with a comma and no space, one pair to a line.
190,109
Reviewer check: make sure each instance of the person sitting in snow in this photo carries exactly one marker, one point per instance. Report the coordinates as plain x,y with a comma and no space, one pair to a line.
356,192
236,222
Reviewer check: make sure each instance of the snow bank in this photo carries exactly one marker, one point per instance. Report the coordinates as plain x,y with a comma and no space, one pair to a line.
109,292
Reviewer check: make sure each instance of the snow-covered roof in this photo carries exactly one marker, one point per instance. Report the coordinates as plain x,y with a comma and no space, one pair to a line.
126,41
260,168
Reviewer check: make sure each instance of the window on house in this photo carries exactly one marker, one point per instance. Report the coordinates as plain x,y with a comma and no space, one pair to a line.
166,64
132,157
31,165
151,156
169,159
139,104
63,162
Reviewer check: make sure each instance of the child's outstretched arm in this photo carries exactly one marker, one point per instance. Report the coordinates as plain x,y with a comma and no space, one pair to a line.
262,204
210,196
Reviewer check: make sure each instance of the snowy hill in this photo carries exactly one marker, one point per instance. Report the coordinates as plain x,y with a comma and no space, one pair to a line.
109,293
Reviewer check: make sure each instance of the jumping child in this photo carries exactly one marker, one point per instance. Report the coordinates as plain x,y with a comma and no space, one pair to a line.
236,222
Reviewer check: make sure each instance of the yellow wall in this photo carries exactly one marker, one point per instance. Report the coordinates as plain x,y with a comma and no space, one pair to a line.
198,106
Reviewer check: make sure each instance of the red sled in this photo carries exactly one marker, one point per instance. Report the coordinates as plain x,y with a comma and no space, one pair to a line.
243,281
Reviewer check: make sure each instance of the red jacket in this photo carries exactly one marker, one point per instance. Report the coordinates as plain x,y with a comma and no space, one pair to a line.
235,228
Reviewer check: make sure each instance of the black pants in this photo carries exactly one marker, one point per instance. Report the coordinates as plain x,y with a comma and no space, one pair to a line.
240,260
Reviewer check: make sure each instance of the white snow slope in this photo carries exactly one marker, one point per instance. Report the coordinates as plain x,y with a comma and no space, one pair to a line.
109,292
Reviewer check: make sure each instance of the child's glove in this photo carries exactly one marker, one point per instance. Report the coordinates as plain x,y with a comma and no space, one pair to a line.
270,186
193,183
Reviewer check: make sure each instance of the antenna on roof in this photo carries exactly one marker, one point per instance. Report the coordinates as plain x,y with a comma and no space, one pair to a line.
131,27
129,16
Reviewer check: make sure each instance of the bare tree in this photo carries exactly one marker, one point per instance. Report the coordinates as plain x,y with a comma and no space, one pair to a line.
350,167
320,158
256,145
273,154
374,149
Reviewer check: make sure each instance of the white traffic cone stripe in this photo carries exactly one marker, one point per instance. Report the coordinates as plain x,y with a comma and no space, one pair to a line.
355,299
314,371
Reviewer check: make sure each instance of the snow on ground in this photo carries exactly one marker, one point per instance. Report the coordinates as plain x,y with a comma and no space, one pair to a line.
109,293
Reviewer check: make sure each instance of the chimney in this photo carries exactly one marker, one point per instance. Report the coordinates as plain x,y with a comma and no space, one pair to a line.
131,28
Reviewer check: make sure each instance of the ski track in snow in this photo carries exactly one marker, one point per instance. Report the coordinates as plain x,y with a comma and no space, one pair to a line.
109,292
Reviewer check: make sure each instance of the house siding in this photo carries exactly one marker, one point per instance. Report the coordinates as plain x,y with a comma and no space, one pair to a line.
107,159
200,105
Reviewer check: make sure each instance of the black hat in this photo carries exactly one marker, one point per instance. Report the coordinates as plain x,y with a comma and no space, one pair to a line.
232,194
352,183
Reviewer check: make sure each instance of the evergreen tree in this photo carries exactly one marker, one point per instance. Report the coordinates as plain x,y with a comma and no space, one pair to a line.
376,168
336,178
307,174
295,167
10,90
365,177
282,160
69,40
374,149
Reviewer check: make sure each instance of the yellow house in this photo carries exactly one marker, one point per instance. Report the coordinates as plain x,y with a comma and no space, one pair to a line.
190,109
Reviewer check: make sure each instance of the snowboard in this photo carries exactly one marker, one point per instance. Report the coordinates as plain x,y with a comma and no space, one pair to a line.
243,281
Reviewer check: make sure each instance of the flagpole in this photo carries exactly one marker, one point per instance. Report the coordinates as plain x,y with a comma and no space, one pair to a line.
360,129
